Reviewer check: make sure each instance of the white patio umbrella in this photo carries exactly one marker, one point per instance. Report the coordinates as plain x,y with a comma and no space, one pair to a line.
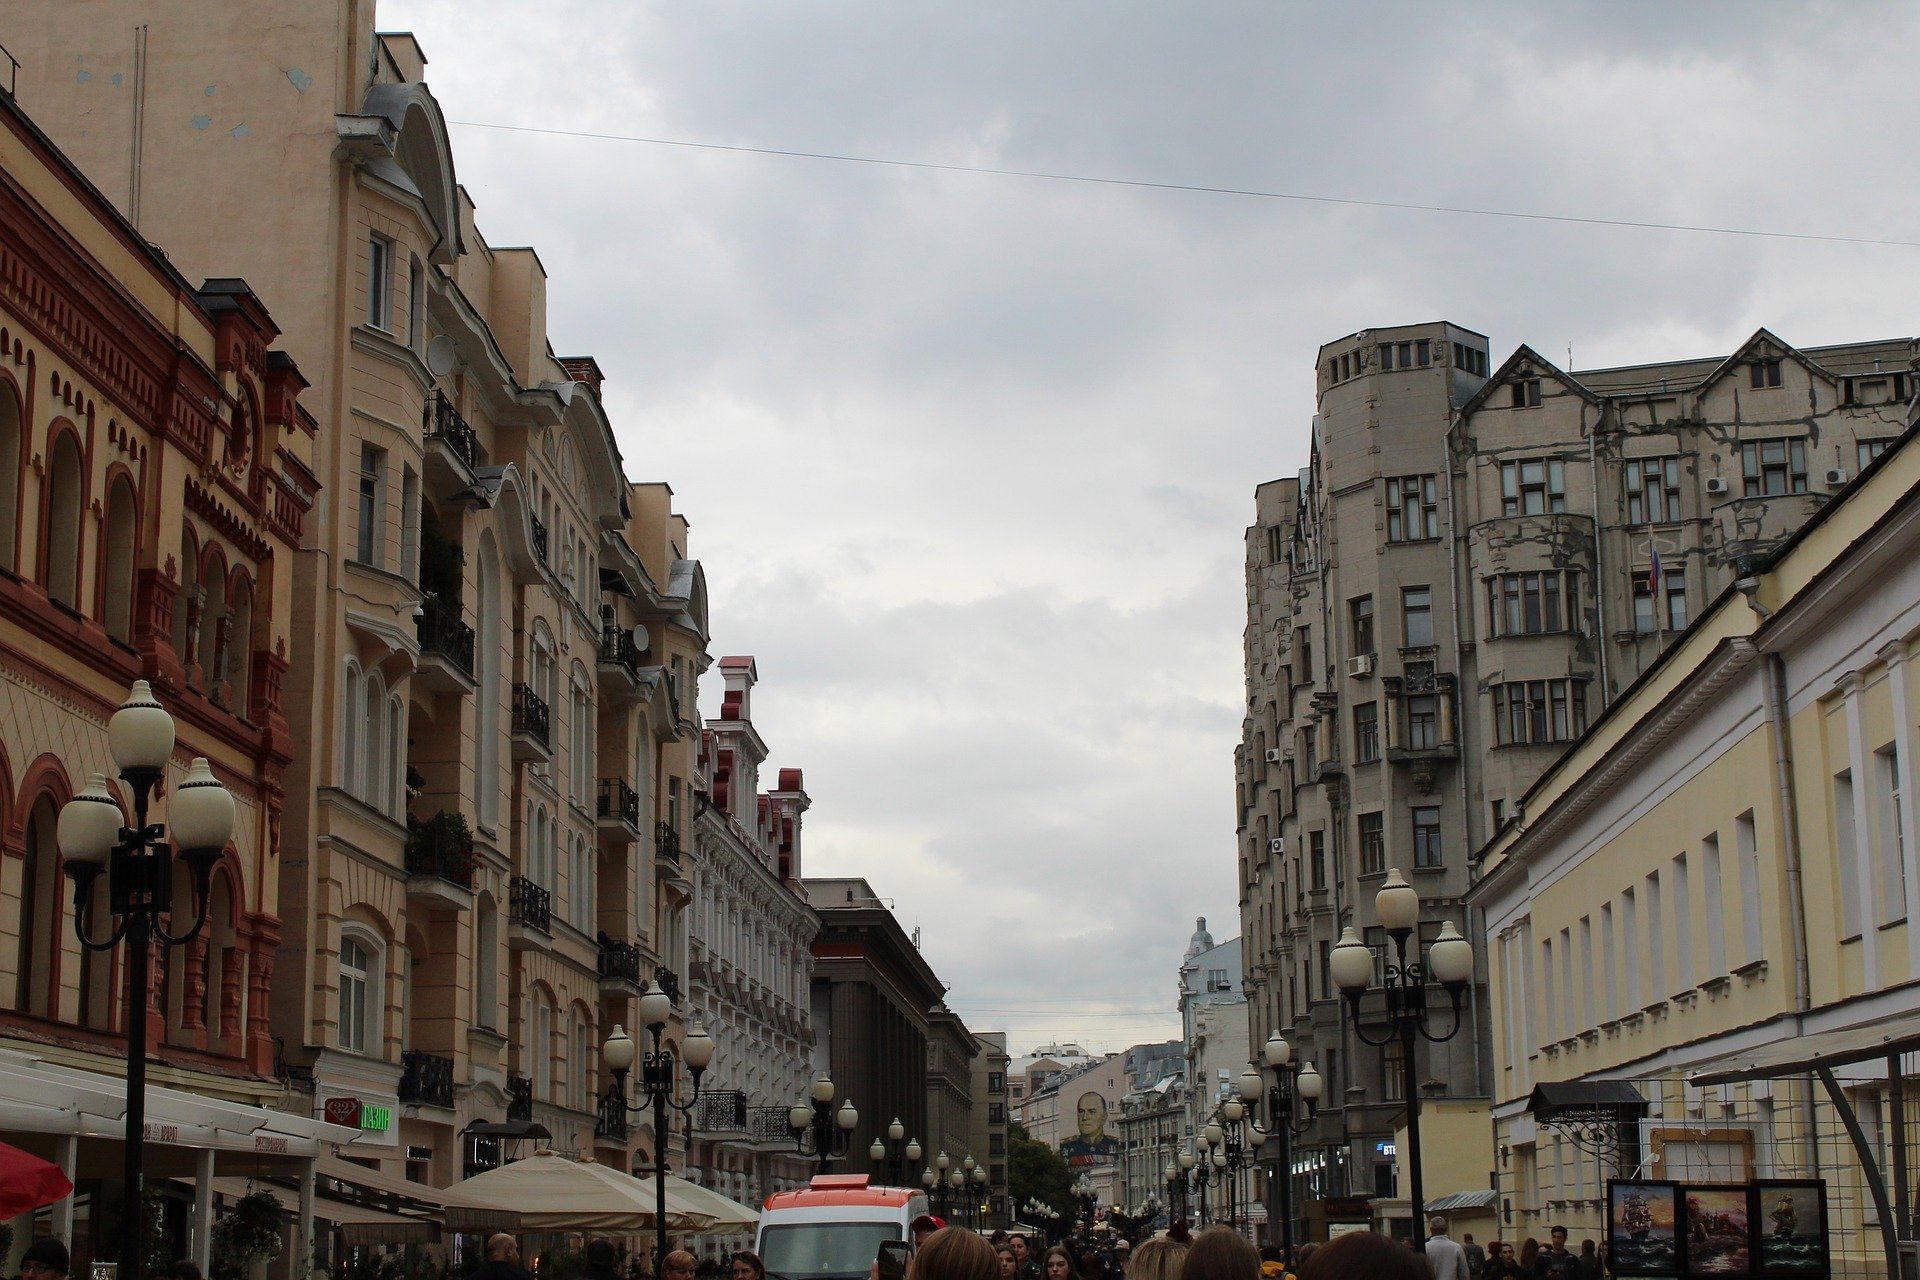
727,1216
548,1192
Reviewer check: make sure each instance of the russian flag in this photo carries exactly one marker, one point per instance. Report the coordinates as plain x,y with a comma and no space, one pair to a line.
1653,570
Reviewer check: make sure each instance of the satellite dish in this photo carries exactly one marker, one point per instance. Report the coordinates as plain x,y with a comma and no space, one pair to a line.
640,638
442,356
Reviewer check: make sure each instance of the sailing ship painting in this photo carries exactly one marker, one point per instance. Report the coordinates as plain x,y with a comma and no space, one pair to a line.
1718,1238
1793,1235
1641,1218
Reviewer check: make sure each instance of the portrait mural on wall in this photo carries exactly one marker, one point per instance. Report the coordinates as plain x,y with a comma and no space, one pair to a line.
1091,1147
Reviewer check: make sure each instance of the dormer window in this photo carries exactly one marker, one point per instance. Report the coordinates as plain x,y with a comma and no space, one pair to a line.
1764,373
1525,394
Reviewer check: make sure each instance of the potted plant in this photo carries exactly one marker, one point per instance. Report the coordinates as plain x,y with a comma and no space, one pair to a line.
247,1236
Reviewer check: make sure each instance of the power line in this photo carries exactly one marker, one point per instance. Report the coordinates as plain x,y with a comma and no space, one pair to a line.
1198,188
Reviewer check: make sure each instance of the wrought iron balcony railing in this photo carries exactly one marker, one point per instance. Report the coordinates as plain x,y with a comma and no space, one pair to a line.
617,648
441,847
519,1098
619,960
611,1122
668,981
530,904
426,1078
666,843
445,426
531,715
722,1111
539,536
618,800
443,633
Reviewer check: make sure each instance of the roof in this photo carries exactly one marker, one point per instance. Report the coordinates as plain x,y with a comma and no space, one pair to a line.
1482,1199
1801,1054
831,1189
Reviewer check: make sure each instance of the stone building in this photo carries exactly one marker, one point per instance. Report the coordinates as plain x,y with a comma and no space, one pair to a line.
950,1053
750,944
1473,564
493,708
1153,1130
989,1129
156,478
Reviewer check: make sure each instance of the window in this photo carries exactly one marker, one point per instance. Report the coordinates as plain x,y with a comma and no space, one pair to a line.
1524,394
368,533
1413,508
1712,894
542,1049
1666,610
1772,467
1470,359
1414,354
1764,373
1373,844
1499,811
1366,733
1317,857
1534,711
1532,604
1426,835
1678,872
1653,490
410,525
1747,849
582,887
486,962
66,487
1608,978
357,983
1533,487
1656,939
116,592
1630,946
12,440
1309,752
1416,617
1423,718
1865,451
1893,838
1326,979
996,1082
380,282
1360,613
1303,654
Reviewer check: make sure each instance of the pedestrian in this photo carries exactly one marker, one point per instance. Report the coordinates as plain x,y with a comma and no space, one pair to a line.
1554,1262
185,1269
1364,1255
1009,1265
1529,1260
1220,1253
747,1266
1301,1254
954,1253
1157,1260
679,1265
924,1226
1059,1264
602,1261
1027,1266
503,1260
1444,1254
45,1259
1476,1256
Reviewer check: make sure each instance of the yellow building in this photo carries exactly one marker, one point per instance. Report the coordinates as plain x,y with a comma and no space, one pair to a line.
1703,923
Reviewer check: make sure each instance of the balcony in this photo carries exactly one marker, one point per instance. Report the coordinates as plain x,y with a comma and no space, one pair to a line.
610,1122
446,646
618,810
666,844
620,662
452,447
619,967
529,914
767,1126
440,860
426,1079
532,725
519,1098
721,1114
668,981
539,528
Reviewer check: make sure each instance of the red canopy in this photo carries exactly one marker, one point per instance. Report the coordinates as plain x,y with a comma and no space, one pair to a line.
27,1182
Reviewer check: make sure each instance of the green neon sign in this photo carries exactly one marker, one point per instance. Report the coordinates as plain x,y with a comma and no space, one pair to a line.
375,1119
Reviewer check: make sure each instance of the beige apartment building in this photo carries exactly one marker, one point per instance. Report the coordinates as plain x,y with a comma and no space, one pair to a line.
1704,937
493,712
989,1140
1475,561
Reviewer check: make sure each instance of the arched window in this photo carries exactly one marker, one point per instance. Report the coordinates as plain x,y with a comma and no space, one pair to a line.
65,498
373,730
12,437
212,647
117,556
542,1048
487,673
578,1054
360,1000
238,660
581,889
396,806
40,914
351,702
486,962
539,868
185,609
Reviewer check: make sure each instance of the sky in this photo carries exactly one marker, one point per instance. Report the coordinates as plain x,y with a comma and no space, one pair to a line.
969,457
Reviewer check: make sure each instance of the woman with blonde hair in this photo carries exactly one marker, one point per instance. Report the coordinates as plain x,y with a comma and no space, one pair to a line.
1159,1259
955,1253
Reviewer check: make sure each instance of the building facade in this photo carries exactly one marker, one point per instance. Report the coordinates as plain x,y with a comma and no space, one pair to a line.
871,997
156,479
1737,930
750,963
493,713
989,1128
1153,1130
1475,561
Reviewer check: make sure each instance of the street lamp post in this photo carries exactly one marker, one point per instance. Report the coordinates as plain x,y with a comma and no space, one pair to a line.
890,1157
814,1120
1281,1126
138,864
979,1193
1449,962
938,1183
1089,1200
658,1069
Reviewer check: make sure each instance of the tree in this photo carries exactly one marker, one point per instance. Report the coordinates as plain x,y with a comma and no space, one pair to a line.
1036,1171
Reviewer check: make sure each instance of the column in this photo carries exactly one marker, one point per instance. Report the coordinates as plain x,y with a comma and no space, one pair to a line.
202,1224
1895,656
67,1156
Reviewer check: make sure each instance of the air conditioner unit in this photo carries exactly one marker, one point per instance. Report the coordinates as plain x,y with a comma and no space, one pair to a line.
1277,845
1360,665
1716,485
1836,476
1273,755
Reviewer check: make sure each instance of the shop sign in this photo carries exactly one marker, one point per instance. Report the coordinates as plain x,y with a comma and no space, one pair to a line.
343,1111
375,1119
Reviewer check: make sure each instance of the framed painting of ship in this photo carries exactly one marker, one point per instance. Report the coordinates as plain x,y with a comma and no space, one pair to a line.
1716,1222
1791,1229
1643,1228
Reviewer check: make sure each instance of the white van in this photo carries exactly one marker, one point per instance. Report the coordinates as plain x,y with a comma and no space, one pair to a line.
833,1228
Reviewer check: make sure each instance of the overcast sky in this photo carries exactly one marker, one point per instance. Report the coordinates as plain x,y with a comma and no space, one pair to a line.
968,458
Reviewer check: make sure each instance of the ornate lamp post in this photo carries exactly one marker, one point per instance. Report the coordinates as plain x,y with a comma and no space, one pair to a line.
814,1122
956,1201
979,1194
890,1157
1281,1126
1232,1142
938,1184
138,864
1089,1200
657,1088
1449,961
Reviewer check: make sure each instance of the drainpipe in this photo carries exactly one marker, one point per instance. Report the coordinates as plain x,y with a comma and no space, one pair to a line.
1460,719
1601,582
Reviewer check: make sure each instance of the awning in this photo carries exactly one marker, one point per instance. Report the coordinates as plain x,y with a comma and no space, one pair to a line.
1460,1201
356,1223
386,1184
38,1096
1800,1055
1585,1102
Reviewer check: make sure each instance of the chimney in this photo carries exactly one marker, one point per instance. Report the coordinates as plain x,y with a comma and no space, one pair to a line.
584,369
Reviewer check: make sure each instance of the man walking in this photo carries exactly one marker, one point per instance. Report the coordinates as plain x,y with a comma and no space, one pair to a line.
503,1260
1476,1256
1445,1256
1555,1263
